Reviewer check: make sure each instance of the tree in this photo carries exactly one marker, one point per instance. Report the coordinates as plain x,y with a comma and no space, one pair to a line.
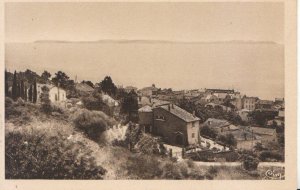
61,79
46,103
30,95
228,140
22,90
18,90
208,132
108,86
129,105
14,87
34,93
261,117
25,93
6,83
31,76
45,76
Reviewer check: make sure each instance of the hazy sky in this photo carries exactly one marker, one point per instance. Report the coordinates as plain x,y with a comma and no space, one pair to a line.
241,55
165,21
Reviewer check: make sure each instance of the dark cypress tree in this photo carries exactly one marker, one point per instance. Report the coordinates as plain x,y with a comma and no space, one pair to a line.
25,92
34,96
14,87
6,83
30,93
18,89
22,94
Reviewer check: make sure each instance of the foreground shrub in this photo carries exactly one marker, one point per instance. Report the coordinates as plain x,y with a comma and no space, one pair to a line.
10,109
92,123
271,156
145,166
35,154
250,163
211,172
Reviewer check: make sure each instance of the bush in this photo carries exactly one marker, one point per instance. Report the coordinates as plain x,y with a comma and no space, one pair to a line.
8,102
212,172
250,163
143,167
10,109
271,156
34,154
208,132
92,123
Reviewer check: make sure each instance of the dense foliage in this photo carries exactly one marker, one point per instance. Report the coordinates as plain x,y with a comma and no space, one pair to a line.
250,163
92,123
42,154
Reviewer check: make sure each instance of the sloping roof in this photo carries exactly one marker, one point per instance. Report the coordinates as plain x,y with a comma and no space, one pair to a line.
179,112
263,131
212,122
157,102
145,109
83,87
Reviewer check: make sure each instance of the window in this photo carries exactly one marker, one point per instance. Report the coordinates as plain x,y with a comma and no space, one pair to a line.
160,117
193,135
56,97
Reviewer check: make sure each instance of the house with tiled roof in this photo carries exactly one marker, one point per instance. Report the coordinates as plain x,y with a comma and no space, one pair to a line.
175,125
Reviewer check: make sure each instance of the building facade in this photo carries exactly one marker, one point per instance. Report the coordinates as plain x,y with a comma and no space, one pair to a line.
175,125
249,103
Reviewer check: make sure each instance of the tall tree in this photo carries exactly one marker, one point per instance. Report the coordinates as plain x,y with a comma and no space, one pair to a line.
45,76
25,92
46,103
18,89
30,94
14,87
22,91
129,106
31,76
34,94
6,83
108,86
61,79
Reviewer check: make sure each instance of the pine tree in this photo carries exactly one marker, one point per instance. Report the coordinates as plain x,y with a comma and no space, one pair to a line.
30,93
14,87
34,97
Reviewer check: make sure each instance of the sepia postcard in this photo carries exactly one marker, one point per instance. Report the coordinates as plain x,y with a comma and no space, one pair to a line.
148,95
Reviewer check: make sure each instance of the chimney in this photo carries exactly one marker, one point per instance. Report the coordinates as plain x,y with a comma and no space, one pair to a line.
169,108
150,100
194,114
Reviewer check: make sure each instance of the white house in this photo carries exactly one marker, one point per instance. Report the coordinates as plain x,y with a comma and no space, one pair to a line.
56,94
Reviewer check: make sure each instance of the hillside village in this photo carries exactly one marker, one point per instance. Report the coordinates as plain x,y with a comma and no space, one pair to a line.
208,125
